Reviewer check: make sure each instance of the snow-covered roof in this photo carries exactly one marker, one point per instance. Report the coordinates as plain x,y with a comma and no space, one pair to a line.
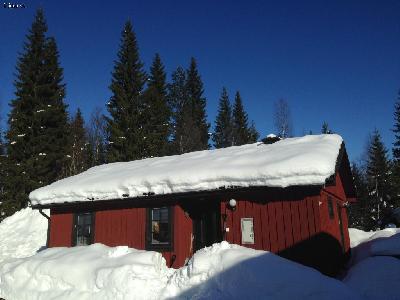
307,160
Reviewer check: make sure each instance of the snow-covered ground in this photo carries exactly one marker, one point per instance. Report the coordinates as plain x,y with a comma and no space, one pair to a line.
375,264
223,271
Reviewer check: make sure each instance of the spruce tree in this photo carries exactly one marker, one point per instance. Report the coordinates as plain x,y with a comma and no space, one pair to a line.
359,211
242,133
196,107
325,128
378,178
253,133
124,128
156,114
396,154
396,130
223,134
38,127
3,174
2,144
177,98
79,151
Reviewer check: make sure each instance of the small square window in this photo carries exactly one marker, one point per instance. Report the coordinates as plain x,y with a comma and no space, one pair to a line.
330,208
83,231
159,229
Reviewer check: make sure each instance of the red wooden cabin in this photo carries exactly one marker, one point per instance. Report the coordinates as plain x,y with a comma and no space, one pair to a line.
305,223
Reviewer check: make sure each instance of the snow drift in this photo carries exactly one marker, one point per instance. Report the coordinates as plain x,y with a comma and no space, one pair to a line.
222,271
375,265
307,160
22,234
92,272
226,271
374,243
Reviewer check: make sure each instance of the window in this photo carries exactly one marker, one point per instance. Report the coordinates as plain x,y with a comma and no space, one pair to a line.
159,229
83,233
330,208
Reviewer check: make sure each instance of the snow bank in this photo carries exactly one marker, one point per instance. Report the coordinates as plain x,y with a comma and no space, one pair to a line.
375,265
367,244
22,234
222,271
91,272
226,271
307,160
358,236
376,278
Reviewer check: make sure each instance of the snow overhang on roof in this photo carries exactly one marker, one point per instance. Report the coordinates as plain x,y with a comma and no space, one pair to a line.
308,160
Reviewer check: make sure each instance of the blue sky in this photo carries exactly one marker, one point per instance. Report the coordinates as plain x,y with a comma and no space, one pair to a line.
337,61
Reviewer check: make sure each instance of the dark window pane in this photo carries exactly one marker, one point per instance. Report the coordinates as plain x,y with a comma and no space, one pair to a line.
160,226
330,208
83,229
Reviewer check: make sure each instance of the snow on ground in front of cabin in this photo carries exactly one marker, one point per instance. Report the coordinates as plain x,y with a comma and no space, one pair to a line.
307,160
22,234
225,271
222,271
92,272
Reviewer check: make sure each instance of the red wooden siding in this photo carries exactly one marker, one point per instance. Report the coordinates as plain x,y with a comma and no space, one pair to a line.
125,227
337,188
121,227
277,224
60,229
331,226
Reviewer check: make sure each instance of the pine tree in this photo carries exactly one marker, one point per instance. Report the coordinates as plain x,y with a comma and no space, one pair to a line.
359,211
196,107
396,154
396,130
124,128
177,97
2,144
325,128
253,133
3,174
223,133
79,151
378,177
242,133
156,115
38,127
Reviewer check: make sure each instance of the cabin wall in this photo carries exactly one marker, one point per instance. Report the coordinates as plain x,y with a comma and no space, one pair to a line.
277,225
331,225
125,226
60,228
118,227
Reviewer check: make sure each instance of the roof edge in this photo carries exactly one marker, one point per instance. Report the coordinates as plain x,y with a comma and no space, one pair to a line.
184,195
